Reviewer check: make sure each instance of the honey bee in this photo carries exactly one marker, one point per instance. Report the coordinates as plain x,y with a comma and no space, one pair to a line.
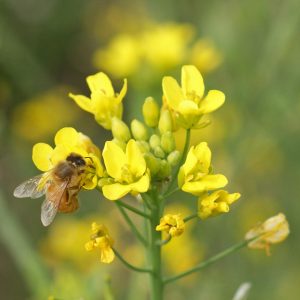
61,186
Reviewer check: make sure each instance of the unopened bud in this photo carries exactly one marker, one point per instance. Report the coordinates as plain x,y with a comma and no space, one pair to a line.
143,146
165,121
154,141
165,169
153,163
159,152
151,112
167,141
174,157
139,130
120,130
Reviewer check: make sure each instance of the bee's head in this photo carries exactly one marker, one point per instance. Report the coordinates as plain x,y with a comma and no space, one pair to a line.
76,160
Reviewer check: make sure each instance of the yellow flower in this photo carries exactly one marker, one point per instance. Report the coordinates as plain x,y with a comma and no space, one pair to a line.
216,203
187,102
165,45
128,169
274,230
104,103
67,141
171,224
194,174
121,57
205,56
101,239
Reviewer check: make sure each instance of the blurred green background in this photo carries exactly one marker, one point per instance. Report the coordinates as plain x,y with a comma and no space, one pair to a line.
248,49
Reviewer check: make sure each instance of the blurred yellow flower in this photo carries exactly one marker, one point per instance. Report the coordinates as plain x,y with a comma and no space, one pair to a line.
194,176
67,141
216,203
205,56
165,45
128,169
103,103
121,57
101,239
31,121
187,102
171,224
274,230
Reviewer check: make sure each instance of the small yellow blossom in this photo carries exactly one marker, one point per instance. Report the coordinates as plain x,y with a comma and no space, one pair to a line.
128,169
171,224
187,102
194,176
205,56
216,203
121,57
274,230
103,103
67,141
101,239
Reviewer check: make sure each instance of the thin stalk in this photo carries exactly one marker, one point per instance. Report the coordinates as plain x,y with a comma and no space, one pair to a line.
164,242
209,261
155,253
129,265
133,209
193,216
131,224
183,157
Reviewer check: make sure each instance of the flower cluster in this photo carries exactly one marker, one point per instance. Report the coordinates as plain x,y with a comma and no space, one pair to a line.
143,160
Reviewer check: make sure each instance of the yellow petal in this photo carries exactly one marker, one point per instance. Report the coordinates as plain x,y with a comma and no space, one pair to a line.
107,255
66,136
122,92
213,100
114,159
100,82
192,81
203,155
135,159
142,185
207,183
172,92
188,107
83,102
191,162
115,191
41,156
60,153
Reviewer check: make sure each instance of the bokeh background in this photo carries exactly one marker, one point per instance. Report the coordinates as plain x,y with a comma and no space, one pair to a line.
248,49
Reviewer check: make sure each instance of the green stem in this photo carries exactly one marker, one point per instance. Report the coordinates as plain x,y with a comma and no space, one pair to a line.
193,216
183,157
131,224
209,261
130,266
164,242
171,192
155,253
27,260
133,209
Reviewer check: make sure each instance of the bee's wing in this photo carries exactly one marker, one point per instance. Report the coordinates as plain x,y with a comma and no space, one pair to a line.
30,188
50,205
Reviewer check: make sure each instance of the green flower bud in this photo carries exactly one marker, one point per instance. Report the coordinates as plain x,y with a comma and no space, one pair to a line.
143,146
165,121
174,157
120,130
153,163
165,169
139,130
167,141
154,141
151,112
159,152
